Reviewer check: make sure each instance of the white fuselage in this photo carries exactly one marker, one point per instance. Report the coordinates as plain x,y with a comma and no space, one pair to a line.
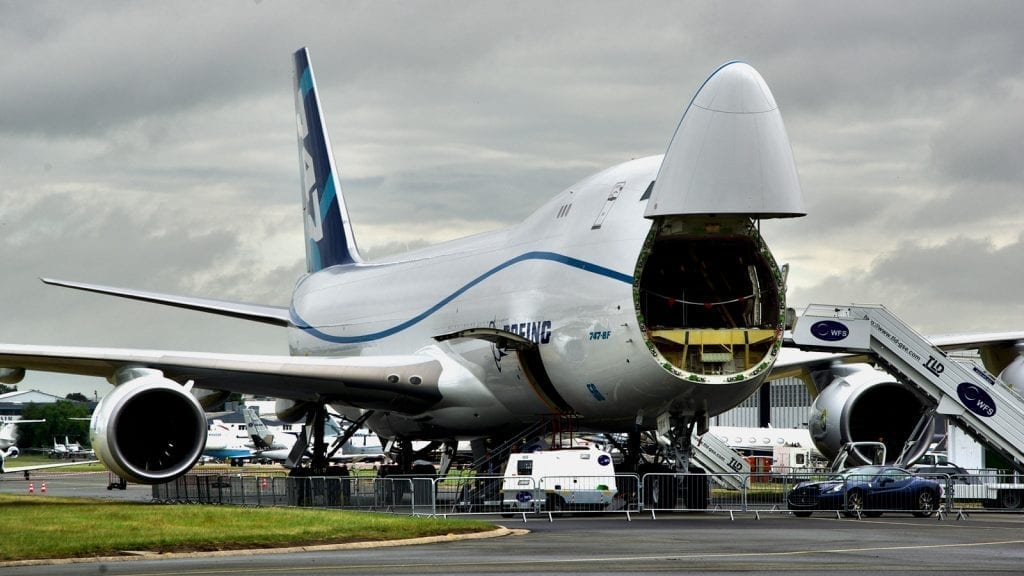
558,279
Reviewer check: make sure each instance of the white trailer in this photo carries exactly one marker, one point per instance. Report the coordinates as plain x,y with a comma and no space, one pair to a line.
566,479
1001,491
792,460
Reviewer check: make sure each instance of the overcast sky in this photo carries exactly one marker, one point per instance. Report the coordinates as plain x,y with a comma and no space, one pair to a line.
152,144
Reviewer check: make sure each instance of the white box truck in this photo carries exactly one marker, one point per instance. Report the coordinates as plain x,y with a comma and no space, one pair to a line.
559,480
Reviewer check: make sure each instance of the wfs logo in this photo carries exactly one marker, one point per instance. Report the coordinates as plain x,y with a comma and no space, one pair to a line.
829,330
976,399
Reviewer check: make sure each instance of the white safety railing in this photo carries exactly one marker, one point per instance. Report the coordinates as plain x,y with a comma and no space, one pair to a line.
796,493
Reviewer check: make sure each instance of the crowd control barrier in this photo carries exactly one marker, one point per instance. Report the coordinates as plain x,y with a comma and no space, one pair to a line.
819,493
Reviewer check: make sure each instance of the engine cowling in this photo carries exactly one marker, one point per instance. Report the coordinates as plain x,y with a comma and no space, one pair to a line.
11,375
291,411
863,404
1013,374
149,429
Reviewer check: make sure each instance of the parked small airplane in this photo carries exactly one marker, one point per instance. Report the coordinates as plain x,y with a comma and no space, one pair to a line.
69,449
8,450
59,450
755,439
359,446
225,442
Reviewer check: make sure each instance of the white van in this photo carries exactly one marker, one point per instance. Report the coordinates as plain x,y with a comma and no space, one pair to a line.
567,479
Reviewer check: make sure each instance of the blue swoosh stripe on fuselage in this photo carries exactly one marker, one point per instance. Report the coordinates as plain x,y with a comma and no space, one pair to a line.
551,256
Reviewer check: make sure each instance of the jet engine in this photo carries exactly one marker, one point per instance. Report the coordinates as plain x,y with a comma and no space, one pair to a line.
149,429
11,375
291,411
1013,374
863,404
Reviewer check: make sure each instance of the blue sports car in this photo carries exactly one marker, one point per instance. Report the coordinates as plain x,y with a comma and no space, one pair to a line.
867,490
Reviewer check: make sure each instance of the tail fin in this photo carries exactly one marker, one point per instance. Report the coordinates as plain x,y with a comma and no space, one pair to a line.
329,238
258,431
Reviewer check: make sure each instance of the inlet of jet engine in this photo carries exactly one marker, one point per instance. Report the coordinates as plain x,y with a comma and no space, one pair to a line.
863,404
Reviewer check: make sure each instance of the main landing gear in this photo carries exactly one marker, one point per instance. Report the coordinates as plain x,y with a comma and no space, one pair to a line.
663,462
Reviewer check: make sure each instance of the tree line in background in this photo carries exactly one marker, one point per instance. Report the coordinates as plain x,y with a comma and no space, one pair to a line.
60,423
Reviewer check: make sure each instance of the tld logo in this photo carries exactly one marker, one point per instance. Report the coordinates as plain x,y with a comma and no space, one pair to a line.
829,330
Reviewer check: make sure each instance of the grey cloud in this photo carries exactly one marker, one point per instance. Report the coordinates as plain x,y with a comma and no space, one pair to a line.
982,142
961,285
959,269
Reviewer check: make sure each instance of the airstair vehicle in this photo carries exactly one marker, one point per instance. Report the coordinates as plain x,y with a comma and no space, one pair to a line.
717,458
964,393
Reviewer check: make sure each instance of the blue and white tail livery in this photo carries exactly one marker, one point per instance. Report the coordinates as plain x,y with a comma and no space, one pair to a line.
329,239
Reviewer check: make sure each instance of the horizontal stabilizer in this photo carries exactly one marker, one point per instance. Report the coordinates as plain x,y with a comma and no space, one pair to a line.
275,315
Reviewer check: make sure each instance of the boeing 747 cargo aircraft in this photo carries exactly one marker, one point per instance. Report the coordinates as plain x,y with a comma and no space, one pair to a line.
640,297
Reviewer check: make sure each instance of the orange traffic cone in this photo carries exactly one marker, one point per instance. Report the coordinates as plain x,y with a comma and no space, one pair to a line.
31,487
43,488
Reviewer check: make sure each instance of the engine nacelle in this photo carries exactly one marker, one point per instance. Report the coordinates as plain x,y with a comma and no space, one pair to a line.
1013,374
291,411
12,375
148,429
212,400
863,404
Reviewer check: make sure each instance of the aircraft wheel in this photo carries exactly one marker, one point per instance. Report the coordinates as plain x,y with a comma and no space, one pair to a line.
802,514
660,490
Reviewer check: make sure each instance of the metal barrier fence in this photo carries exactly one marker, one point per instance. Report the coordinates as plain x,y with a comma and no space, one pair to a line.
801,494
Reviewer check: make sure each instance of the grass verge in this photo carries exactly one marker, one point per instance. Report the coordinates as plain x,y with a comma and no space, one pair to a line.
57,527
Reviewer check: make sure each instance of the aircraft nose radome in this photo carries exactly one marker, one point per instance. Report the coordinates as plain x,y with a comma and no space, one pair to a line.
736,88
730,153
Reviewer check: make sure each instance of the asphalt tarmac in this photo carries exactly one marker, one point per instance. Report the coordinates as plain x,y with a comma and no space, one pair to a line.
84,484
700,543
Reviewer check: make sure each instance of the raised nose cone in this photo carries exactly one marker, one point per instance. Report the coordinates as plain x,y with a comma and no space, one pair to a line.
730,153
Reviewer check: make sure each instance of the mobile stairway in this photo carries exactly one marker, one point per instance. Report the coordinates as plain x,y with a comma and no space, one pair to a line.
976,401
725,465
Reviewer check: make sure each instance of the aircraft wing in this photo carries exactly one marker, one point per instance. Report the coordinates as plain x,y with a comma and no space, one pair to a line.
997,350
274,315
980,341
403,382
5,470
